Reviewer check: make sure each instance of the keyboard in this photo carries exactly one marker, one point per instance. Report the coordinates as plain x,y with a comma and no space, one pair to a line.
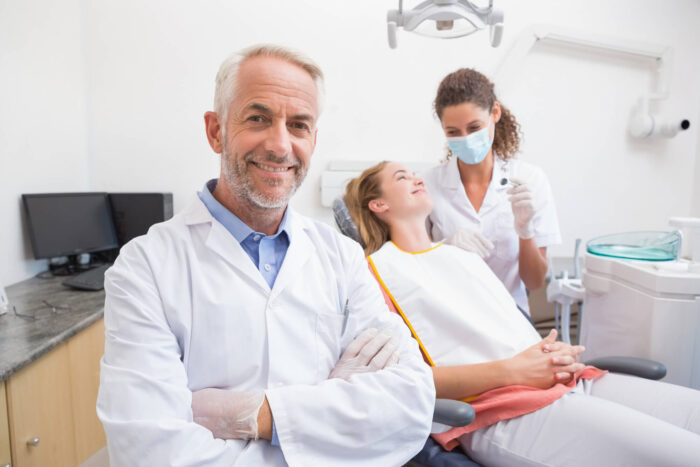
92,279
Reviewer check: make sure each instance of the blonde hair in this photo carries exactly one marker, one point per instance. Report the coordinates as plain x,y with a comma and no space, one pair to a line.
226,77
359,192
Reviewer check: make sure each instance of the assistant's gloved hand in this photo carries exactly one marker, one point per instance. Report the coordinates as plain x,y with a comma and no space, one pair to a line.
370,351
228,414
522,201
471,240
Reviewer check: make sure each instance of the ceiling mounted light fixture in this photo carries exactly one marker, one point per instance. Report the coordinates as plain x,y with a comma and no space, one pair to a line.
446,19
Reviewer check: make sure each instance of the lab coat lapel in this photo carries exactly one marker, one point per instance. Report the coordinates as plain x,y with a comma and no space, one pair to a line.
458,197
221,242
495,192
300,250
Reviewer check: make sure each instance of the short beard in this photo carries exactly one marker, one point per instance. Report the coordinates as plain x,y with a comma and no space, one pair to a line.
235,172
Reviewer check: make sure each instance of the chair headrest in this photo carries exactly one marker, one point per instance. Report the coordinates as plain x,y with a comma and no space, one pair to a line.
344,221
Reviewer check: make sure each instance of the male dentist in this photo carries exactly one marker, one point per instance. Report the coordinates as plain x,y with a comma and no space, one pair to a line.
242,333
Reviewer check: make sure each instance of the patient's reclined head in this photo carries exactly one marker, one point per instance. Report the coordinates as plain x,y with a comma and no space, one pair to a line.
384,197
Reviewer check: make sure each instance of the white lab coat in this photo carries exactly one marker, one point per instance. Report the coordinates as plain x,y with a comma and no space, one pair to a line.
186,309
453,211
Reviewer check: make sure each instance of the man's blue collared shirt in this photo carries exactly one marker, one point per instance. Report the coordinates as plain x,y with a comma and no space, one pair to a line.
266,251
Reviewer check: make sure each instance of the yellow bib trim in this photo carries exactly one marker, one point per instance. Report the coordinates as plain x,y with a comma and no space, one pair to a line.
415,252
405,319
408,323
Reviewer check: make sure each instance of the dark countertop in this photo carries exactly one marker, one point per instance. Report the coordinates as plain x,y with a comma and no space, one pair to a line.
23,340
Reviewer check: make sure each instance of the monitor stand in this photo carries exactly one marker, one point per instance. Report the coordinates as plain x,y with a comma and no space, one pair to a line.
70,266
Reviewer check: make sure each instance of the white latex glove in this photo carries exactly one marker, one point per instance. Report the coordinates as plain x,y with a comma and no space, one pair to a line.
228,414
522,201
370,351
471,240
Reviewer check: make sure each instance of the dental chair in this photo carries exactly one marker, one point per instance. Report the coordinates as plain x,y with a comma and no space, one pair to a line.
458,413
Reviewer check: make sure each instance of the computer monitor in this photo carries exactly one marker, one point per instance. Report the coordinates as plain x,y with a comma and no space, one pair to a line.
134,213
69,224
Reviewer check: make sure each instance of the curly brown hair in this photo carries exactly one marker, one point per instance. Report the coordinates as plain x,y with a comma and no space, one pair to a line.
468,85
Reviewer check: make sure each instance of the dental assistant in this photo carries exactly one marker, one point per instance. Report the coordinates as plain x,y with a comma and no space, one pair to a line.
241,333
486,201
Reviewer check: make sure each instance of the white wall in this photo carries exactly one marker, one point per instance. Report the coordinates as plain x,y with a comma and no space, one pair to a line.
150,68
43,124
573,104
696,192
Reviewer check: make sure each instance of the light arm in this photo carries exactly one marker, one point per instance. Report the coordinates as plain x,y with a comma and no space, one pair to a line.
265,421
537,226
462,381
532,264
531,367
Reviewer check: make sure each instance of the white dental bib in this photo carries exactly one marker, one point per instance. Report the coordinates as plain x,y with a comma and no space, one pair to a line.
459,311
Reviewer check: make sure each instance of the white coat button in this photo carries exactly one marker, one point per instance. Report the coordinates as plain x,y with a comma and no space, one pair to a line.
267,267
256,238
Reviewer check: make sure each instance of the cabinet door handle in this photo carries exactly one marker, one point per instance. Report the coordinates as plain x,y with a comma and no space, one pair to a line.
33,442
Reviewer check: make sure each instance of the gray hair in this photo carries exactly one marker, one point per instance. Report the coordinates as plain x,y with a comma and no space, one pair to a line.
228,71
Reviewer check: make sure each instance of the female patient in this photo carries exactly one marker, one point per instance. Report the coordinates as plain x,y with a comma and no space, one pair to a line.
535,403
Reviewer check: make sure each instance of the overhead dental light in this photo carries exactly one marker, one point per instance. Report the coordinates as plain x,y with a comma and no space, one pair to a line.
446,19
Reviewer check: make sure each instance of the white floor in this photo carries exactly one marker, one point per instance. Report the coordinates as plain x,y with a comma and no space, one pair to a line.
99,459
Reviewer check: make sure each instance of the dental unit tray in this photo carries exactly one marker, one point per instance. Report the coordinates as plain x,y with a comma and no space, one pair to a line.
646,246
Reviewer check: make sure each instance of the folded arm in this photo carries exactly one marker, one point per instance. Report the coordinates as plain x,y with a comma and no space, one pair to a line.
144,402
377,417
231,414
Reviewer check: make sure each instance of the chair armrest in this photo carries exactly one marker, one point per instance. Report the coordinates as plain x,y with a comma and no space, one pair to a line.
641,367
453,413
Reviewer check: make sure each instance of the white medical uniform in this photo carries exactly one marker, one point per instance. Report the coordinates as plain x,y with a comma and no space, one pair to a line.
186,309
453,211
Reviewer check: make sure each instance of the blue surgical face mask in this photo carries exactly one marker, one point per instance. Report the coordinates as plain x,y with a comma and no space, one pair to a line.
471,149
